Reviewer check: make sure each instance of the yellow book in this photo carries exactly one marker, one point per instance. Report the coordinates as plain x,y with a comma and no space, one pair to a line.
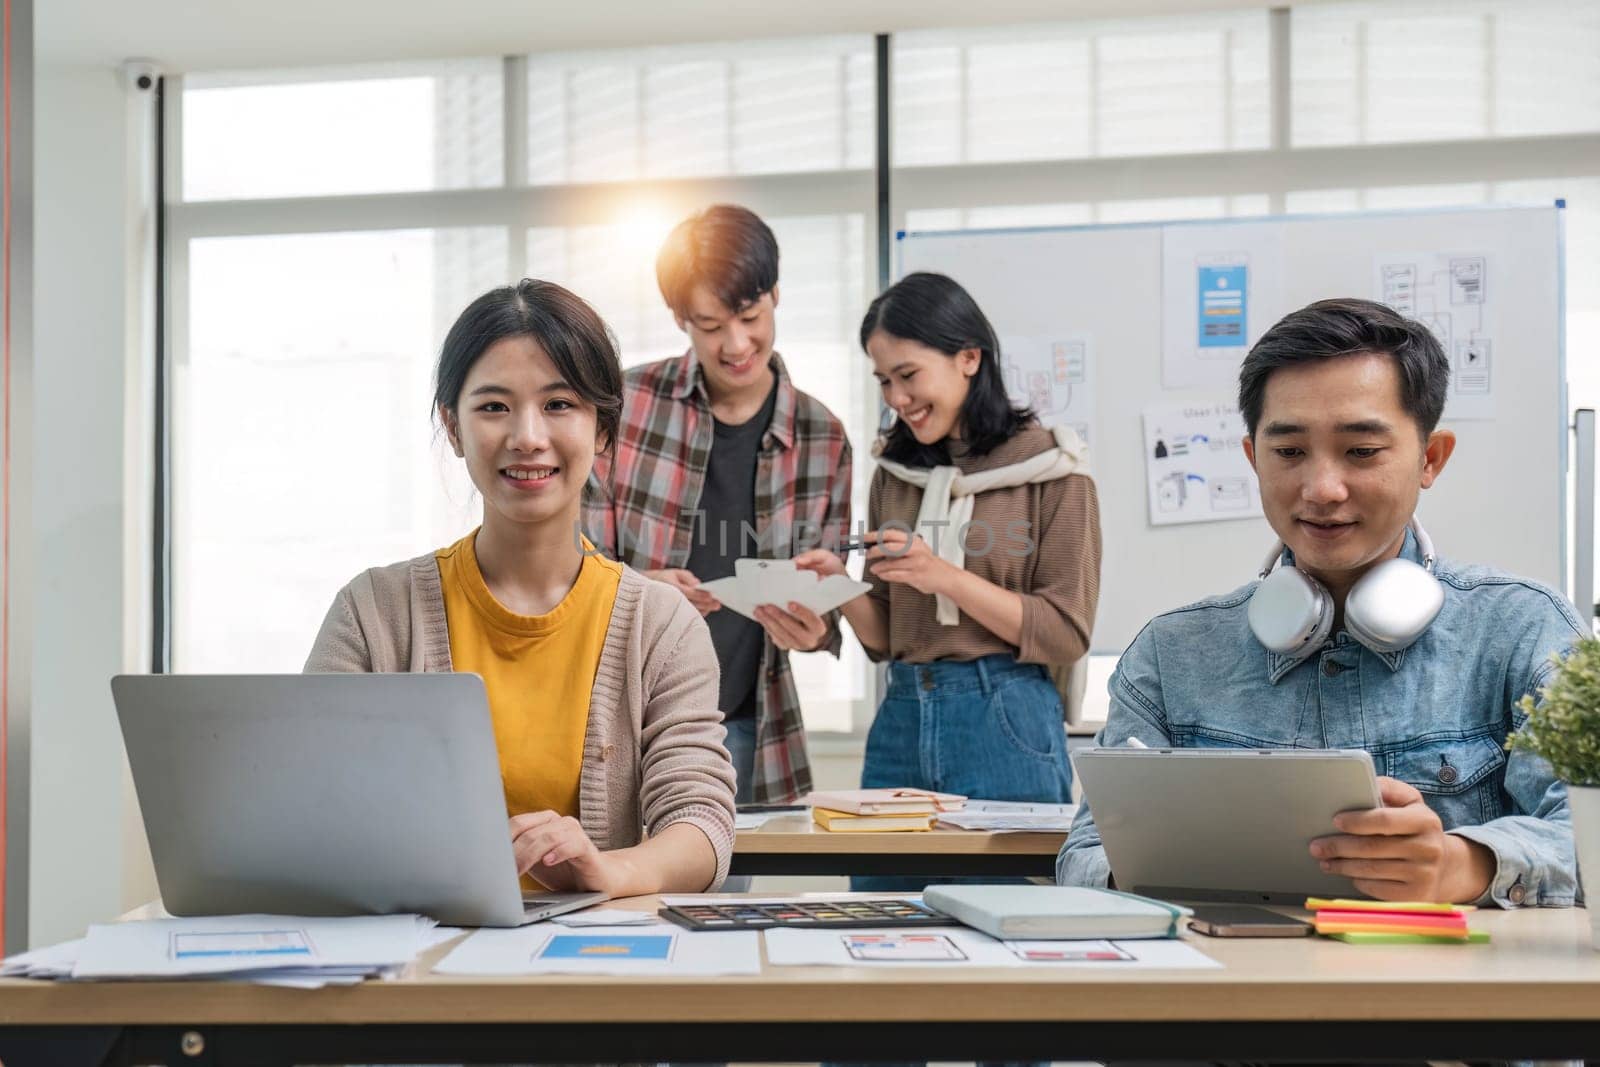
847,822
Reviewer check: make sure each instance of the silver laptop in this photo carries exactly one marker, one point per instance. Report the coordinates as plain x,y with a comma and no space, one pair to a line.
326,794
1223,824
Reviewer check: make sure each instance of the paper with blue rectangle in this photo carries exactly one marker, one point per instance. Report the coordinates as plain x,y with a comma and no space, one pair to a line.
655,949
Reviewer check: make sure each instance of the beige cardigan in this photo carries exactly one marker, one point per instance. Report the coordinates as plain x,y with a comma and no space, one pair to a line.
652,753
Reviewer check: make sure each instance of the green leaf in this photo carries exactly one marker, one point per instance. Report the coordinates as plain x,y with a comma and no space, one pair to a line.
1564,722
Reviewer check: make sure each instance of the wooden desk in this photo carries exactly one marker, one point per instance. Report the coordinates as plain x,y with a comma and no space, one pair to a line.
793,844
1533,993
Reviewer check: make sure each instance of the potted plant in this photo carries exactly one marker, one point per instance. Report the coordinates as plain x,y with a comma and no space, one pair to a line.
1564,728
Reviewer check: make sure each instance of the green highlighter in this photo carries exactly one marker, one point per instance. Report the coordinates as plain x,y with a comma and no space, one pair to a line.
1476,937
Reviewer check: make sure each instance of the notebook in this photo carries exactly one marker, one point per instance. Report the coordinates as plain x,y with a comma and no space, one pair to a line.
887,801
846,822
1051,912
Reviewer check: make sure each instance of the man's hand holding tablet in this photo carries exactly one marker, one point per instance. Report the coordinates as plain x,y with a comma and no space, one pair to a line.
1401,852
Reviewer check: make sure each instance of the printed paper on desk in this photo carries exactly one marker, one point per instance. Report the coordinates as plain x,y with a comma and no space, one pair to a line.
776,581
800,947
656,949
796,947
233,944
1069,951
1167,955
924,948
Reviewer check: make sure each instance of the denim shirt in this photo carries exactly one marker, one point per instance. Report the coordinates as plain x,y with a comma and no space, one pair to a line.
1435,714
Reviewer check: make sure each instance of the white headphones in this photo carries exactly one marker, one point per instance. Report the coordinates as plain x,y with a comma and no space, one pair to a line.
1291,613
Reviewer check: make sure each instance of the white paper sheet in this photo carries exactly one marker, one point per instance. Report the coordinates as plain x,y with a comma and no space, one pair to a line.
832,948
1195,467
1019,807
1221,288
656,949
1168,954
1054,375
776,581
239,944
752,820
52,961
1000,822
1453,295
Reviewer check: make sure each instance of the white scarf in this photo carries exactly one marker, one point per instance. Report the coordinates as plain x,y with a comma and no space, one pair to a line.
947,494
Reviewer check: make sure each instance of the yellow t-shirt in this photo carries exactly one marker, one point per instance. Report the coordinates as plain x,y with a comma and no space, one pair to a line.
538,669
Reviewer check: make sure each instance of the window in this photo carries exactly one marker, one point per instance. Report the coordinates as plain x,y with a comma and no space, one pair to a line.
700,111
1369,73
388,129
1069,90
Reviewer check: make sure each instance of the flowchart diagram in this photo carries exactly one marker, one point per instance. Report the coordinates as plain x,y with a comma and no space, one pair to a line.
1449,294
1054,376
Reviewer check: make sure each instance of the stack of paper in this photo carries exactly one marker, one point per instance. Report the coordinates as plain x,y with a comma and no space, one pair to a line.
269,949
1384,922
776,581
1006,816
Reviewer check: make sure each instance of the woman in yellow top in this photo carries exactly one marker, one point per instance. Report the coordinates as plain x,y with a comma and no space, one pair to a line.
602,683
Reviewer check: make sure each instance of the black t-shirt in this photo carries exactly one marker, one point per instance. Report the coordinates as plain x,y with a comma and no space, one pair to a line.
728,507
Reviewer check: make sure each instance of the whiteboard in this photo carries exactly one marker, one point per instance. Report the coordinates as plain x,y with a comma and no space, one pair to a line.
1500,501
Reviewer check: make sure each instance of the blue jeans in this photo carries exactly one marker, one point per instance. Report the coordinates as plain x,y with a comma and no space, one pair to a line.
990,729
741,742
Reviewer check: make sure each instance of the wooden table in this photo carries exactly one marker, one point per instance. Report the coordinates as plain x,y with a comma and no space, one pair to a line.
793,844
1533,993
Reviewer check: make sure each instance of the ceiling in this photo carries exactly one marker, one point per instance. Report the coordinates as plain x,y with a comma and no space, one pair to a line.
212,35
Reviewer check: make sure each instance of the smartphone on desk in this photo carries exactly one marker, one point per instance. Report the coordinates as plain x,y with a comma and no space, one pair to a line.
1244,920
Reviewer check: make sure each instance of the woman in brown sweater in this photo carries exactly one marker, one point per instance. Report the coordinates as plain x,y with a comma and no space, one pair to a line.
602,683
986,562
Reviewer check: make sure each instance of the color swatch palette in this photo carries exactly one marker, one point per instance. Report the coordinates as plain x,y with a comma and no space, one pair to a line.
757,915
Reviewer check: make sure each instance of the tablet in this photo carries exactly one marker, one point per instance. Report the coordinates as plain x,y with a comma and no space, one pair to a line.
1223,824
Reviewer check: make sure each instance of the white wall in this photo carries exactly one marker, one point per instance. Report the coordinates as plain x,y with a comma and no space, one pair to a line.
85,864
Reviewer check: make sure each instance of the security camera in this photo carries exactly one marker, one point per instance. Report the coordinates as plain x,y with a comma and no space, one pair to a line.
140,74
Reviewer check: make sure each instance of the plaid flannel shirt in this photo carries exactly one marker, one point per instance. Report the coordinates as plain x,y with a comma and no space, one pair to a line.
641,505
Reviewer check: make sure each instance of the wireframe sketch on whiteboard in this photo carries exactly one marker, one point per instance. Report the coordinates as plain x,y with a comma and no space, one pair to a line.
1449,293
1195,470
1222,287
1054,375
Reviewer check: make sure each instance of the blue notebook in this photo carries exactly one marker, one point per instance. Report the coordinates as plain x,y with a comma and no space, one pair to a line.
1054,912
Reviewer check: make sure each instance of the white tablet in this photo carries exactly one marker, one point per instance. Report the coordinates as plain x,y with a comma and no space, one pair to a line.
1223,824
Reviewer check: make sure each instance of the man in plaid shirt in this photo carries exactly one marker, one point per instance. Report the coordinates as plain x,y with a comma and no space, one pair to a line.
719,457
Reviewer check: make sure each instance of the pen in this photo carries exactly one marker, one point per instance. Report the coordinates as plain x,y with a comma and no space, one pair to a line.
854,544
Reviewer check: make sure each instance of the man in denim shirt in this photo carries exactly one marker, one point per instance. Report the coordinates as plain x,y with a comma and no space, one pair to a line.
1342,400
